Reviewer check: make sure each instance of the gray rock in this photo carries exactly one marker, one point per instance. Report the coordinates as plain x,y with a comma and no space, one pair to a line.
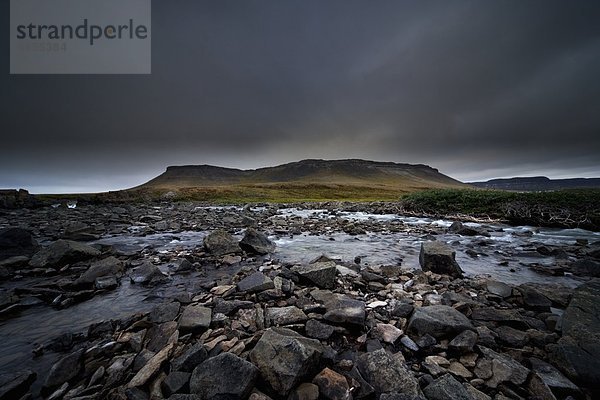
409,343
305,391
256,242
402,309
15,384
385,374
257,282
182,265
285,358
176,382
446,387
220,242
534,300
577,352
340,308
318,330
79,231
190,358
62,252
461,229
158,335
499,288
225,376
16,242
504,369
507,317
586,267
548,380
284,315
146,273
464,342
387,333
64,370
106,266
195,318
510,337
106,283
321,274
438,321
164,312
438,257
228,307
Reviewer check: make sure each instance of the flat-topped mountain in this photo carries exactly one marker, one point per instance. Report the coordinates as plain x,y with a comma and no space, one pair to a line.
354,172
539,183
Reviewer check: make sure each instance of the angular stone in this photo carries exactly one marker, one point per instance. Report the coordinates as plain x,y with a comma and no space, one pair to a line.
106,266
386,333
438,321
305,391
256,242
534,300
285,357
385,374
62,252
190,358
14,385
464,342
151,367
176,382
548,380
225,376
64,370
458,369
322,274
195,318
506,317
220,243
318,330
257,282
106,283
230,306
499,288
438,257
332,385
164,312
146,273
504,369
158,335
510,337
284,315
341,309
16,242
446,387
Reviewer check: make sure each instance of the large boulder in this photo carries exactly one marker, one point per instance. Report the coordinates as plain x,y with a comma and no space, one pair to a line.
257,282
195,318
504,369
64,370
438,257
438,321
386,374
13,385
98,269
255,242
220,242
223,377
16,242
284,315
321,274
62,252
285,358
577,353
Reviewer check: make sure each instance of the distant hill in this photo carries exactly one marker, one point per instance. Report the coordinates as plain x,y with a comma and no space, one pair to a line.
539,183
307,179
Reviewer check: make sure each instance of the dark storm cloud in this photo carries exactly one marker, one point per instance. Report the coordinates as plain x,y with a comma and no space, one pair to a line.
477,89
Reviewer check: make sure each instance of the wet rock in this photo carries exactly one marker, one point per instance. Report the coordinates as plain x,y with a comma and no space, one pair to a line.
62,252
510,337
164,312
220,243
586,267
446,387
534,300
321,274
332,385
16,242
284,315
438,321
577,352
341,309
255,242
504,369
438,257
225,376
146,273
318,330
285,357
256,282
385,374
195,318
106,283
402,309
106,266
464,342
190,358
176,382
14,385
499,288
461,229
182,265
409,343
64,370
151,367
547,381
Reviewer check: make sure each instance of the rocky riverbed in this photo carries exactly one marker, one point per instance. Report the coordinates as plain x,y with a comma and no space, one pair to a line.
319,301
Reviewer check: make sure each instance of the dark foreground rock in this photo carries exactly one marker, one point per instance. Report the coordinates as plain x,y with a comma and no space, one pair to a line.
16,242
14,385
255,242
62,252
225,376
438,321
438,257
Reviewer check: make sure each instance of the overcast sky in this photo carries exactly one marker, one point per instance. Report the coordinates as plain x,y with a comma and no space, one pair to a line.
477,89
